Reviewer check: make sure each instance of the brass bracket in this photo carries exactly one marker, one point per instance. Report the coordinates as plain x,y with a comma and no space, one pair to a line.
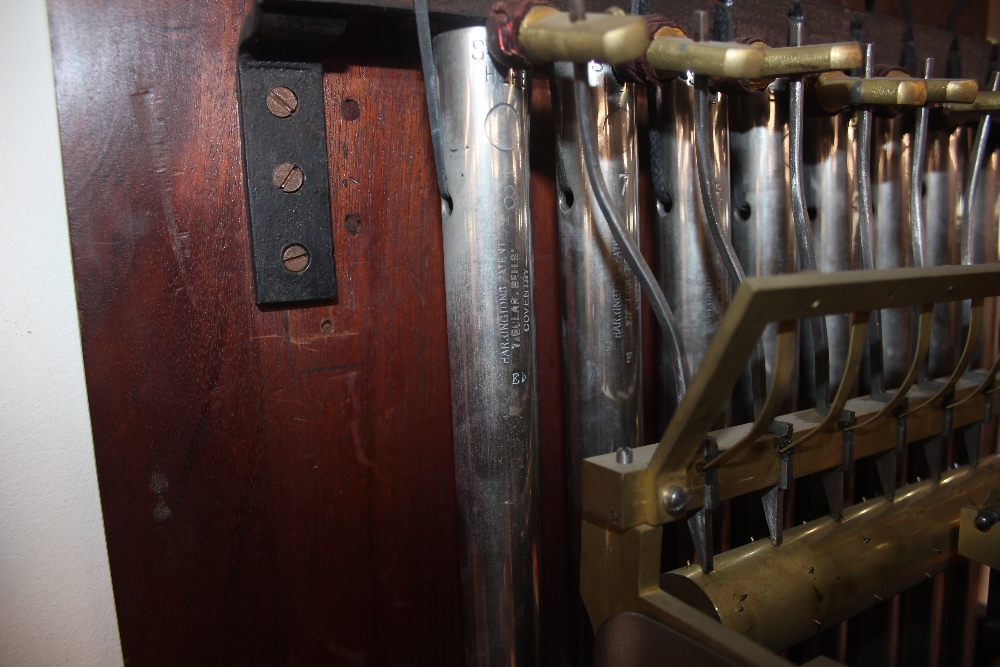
978,536
633,493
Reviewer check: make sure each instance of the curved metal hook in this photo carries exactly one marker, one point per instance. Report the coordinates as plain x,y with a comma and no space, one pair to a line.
985,387
971,341
852,367
784,364
925,322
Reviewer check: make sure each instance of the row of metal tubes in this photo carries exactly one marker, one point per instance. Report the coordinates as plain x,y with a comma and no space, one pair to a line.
676,239
944,350
835,241
489,284
759,218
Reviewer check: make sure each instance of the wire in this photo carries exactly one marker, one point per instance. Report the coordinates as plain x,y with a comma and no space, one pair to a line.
703,157
873,352
953,15
723,24
431,88
917,175
800,216
657,300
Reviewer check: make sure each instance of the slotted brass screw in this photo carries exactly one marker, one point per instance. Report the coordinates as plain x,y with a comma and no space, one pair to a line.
282,102
295,258
287,177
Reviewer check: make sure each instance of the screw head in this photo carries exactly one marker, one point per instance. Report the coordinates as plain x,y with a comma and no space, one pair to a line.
288,177
676,498
282,102
295,258
623,455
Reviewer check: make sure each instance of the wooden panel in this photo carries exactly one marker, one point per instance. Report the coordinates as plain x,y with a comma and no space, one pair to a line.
278,486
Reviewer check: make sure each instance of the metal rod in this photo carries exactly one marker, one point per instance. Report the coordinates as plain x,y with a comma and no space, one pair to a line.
976,210
423,21
602,332
491,344
829,172
947,155
630,250
891,184
691,273
917,176
973,176
865,229
704,151
763,234
800,217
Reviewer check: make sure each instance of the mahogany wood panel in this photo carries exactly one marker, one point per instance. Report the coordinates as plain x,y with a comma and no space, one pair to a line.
277,486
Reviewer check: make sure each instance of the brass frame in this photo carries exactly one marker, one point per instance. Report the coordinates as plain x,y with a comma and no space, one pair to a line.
624,503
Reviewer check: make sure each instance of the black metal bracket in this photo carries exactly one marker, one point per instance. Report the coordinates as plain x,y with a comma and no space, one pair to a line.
286,173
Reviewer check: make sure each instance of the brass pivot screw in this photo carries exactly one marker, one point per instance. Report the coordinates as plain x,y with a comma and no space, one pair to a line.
295,258
987,517
287,177
282,102
676,498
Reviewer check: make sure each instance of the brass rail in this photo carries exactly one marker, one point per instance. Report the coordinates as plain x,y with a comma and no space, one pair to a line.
628,495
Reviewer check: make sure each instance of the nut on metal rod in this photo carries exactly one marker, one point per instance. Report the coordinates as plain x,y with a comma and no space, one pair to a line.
548,35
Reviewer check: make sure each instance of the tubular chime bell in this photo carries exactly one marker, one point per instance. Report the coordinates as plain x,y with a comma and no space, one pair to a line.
825,250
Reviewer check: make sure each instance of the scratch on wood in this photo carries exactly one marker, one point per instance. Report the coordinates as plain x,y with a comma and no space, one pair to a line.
154,136
325,369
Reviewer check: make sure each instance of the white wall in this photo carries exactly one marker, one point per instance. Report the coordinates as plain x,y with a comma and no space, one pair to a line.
56,603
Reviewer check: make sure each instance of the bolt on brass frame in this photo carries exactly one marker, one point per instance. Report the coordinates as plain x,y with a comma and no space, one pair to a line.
978,537
631,493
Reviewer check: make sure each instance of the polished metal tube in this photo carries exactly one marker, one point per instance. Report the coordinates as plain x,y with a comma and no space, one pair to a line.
829,174
491,346
985,217
691,272
892,238
602,332
944,175
762,230
826,571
